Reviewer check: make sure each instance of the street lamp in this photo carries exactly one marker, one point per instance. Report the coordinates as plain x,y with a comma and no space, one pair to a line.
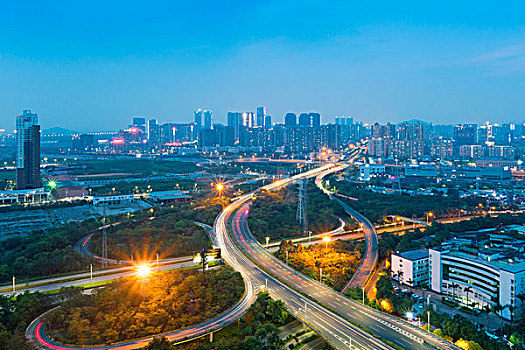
429,214
267,242
326,239
219,187
143,271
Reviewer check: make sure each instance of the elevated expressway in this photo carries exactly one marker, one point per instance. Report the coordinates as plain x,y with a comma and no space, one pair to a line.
327,312
369,262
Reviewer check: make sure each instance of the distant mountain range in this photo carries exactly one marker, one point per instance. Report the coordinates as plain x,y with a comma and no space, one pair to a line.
58,131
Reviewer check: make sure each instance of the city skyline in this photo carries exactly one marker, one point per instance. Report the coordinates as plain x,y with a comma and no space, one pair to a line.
398,62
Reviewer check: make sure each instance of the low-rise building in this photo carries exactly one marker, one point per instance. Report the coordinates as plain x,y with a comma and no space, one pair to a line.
410,268
113,200
37,195
368,170
171,196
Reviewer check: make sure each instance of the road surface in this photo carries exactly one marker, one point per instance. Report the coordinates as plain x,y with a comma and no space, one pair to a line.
368,264
37,335
329,324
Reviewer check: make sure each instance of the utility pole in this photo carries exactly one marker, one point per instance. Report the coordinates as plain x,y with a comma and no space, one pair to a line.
287,257
91,271
203,256
104,241
301,216
304,323
14,287
321,275
363,295
428,313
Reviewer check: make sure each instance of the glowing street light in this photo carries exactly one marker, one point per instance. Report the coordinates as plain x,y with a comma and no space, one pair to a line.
267,242
219,187
326,239
143,271
429,214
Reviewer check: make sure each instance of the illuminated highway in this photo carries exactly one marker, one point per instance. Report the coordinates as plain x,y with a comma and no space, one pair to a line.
327,323
36,330
332,327
370,256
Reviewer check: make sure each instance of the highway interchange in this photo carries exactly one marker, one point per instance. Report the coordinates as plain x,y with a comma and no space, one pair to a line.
324,310
319,298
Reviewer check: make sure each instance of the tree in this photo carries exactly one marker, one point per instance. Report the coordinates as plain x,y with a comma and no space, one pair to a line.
498,310
468,290
160,343
400,274
409,281
521,297
454,286
511,309
486,309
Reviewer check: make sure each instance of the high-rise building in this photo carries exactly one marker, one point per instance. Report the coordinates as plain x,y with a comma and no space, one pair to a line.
315,119
466,134
140,123
198,118
261,114
268,122
153,132
310,119
290,120
238,120
203,119
304,119
28,151
208,119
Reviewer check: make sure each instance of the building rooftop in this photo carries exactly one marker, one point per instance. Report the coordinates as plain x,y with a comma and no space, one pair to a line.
495,264
413,255
171,194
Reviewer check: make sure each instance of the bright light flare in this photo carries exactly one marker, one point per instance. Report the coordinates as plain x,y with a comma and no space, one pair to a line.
143,271
219,187
52,184
326,239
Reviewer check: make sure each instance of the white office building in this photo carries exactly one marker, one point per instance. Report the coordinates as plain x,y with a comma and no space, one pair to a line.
366,171
485,276
410,268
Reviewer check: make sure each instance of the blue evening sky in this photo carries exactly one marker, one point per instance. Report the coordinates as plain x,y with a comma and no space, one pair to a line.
93,65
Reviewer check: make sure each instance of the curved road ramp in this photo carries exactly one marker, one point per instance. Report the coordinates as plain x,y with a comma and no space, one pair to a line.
336,318
36,332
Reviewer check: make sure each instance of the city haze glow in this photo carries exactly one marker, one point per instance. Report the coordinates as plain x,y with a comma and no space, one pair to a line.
92,66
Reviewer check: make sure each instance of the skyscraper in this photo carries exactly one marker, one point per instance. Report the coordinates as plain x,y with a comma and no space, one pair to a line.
199,116
153,132
239,120
261,114
290,119
207,119
203,119
28,151
140,123
268,122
